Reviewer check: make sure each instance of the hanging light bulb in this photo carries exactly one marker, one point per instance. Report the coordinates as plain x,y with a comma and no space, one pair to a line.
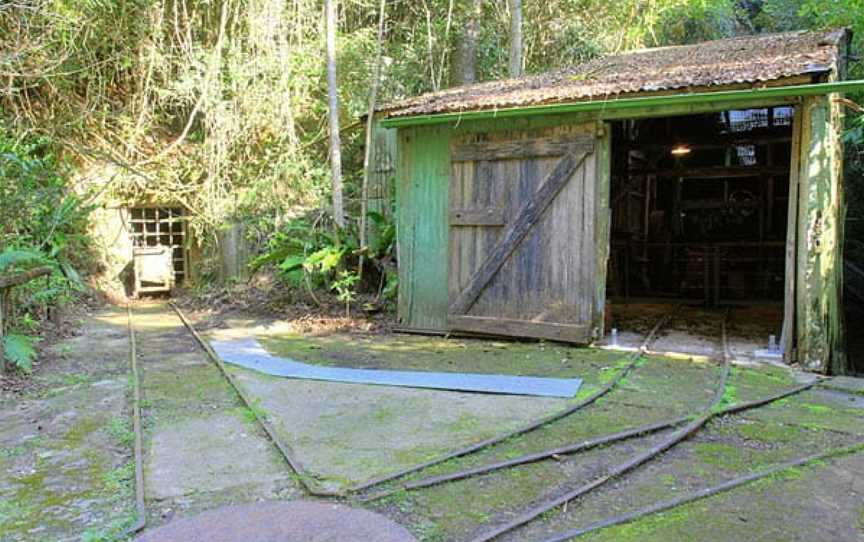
680,150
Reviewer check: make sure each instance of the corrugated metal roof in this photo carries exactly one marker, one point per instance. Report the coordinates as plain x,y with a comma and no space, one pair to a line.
721,63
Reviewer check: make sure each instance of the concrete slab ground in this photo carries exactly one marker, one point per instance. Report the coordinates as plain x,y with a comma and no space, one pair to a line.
694,330
847,384
64,450
65,447
202,447
298,521
211,453
660,388
347,434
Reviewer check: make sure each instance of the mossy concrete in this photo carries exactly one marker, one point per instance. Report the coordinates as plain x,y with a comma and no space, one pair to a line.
725,449
201,447
820,502
66,466
197,429
661,387
219,452
346,434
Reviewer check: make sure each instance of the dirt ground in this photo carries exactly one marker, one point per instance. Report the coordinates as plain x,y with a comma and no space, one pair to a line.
66,447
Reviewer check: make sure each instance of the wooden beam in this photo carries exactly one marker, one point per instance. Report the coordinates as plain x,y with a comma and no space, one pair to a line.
513,149
717,142
713,172
787,334
520,328
524,221
25,276
493,216
812,350
603,228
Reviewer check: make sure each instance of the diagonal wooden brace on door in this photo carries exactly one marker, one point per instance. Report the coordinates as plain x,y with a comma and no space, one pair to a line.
525,219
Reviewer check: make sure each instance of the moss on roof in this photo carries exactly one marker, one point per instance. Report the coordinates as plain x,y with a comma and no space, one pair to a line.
752,60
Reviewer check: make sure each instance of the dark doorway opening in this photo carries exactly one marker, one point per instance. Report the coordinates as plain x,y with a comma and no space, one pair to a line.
699,207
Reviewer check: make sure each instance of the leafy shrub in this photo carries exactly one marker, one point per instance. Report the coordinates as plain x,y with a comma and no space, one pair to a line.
302,248
12,257
318,255
344,287
44,223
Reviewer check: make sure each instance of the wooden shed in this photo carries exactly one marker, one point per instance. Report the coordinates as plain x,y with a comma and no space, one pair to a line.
708,173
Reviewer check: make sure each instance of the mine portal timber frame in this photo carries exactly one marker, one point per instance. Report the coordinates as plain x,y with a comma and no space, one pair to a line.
812,333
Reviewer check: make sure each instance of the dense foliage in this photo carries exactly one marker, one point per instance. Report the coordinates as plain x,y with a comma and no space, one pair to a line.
220,105
44,224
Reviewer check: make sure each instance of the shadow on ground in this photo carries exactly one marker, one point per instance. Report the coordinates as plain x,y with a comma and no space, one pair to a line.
65,449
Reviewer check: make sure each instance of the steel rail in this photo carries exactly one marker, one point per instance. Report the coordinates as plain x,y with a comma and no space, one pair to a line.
582,446
140,505
473,448
284,449
634,462
687,498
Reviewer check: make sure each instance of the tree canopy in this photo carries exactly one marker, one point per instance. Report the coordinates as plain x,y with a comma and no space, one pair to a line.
222,104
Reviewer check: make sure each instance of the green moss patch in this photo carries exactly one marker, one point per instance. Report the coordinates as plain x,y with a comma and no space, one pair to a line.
721,455
449,355
770,433
809,410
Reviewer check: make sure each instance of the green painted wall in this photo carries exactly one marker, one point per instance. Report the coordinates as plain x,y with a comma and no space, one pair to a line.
422,181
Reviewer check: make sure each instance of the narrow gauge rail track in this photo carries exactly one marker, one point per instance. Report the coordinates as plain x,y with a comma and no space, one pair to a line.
582,446
140,506
711,411
632,361
662,506
630,464
284,449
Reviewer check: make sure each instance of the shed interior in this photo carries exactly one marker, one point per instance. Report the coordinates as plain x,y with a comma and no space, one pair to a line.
699,208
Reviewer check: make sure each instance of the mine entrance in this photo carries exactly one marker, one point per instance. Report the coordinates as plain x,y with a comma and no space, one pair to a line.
162,227
699,207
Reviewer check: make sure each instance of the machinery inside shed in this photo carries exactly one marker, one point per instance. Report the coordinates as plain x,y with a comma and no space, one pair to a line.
699,208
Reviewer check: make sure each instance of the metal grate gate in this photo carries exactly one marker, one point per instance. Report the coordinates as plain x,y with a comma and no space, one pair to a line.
165,226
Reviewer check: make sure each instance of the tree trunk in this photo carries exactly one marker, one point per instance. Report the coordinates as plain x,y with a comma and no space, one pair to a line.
333,103
515,38
370,121
465,67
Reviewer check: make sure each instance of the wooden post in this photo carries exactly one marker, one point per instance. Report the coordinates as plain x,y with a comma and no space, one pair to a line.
787,336
602,232
819,273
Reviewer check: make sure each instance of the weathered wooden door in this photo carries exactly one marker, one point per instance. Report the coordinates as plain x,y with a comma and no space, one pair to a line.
523,235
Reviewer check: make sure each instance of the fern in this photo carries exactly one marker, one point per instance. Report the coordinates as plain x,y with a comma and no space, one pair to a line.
19,350
10,257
